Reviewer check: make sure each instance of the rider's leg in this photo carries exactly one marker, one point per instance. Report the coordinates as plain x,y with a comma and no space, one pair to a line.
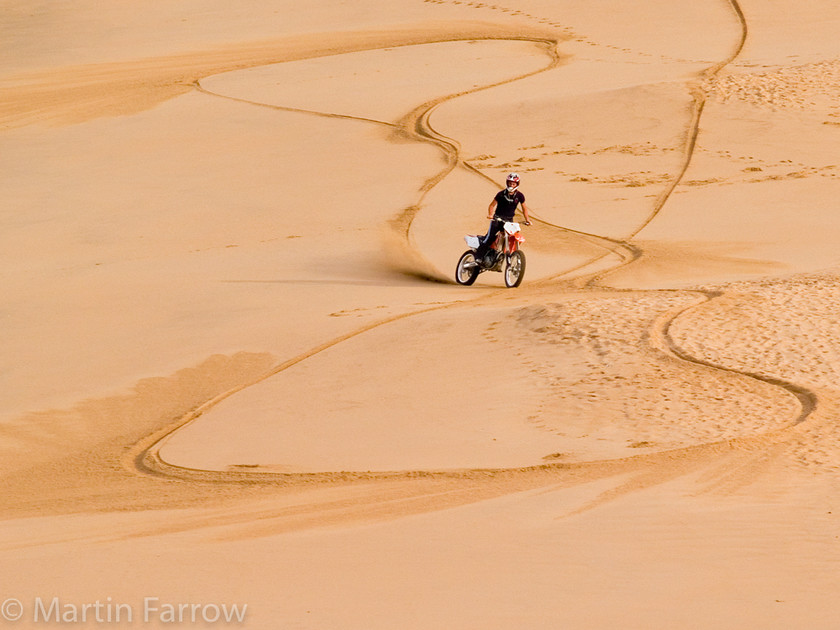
487,240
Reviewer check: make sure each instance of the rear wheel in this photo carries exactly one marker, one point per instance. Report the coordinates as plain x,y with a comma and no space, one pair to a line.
515,269
467,270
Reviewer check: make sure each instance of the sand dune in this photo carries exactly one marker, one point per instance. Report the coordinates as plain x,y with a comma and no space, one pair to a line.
236,367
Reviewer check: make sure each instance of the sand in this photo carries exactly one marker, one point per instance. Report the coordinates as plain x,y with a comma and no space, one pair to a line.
236,369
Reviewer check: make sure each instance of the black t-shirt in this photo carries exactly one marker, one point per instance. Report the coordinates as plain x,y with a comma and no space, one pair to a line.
506,204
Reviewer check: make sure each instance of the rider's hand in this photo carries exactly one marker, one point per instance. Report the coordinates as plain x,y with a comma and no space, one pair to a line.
527,223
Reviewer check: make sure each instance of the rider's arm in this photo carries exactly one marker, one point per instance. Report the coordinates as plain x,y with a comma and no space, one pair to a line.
525,214
491,211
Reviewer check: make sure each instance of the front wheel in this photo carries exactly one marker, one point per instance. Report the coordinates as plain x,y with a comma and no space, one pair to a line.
467,270
515,269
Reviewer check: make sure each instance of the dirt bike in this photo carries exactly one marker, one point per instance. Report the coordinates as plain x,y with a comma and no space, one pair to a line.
505,254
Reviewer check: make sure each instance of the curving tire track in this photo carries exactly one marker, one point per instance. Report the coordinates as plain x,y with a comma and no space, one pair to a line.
145,457
689,145
662,339
416,126
807,398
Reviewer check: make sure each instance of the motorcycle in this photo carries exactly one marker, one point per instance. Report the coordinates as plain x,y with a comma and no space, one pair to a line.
505,255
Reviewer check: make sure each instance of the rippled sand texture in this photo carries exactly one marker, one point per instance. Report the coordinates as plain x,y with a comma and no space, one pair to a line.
235,365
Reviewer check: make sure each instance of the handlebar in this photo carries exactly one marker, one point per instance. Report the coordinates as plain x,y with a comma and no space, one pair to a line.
501,220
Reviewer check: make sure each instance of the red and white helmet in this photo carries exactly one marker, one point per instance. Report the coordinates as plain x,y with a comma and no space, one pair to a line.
512,182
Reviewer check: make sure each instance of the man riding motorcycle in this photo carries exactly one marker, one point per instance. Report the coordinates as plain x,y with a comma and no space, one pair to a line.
503,207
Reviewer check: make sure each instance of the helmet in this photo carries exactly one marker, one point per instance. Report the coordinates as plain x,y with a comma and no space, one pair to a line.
512,182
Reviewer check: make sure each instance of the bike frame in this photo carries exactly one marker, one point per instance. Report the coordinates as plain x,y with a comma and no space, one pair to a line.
510,242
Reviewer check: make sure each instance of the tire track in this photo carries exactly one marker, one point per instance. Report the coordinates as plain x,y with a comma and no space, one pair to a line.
145,458
201,89
422,128
662,339
415,126
698,96
807,398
